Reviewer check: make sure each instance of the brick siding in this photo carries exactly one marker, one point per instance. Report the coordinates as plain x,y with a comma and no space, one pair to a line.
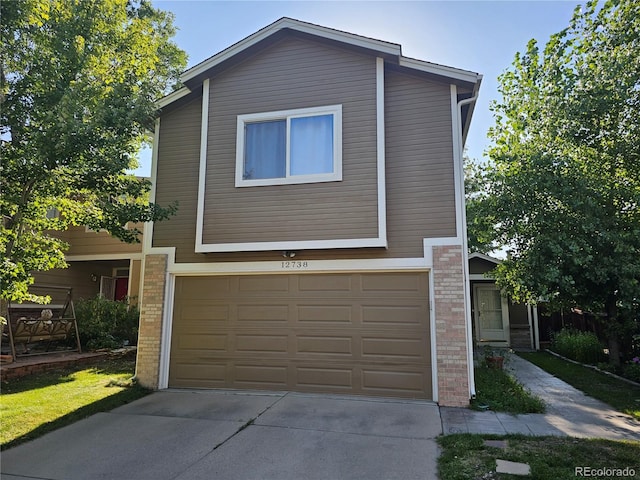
150,330
451,333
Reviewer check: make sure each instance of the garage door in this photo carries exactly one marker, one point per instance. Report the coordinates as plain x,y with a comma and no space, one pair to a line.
343,333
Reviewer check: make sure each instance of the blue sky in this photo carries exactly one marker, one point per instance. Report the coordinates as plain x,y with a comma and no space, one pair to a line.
481,36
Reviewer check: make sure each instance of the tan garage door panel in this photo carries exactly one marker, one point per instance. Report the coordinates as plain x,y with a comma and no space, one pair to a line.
347,333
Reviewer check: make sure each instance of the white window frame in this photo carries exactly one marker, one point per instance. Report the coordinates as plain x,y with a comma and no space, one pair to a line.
287,115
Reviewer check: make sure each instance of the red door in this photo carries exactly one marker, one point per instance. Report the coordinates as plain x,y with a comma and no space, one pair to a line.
122,288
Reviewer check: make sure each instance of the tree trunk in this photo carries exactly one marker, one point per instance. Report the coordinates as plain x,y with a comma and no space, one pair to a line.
614,349
612,331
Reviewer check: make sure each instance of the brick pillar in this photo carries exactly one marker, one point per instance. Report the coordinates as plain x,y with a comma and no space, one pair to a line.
451,335
150,330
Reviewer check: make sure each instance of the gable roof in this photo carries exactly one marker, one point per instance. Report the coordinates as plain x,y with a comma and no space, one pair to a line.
391,52
482,256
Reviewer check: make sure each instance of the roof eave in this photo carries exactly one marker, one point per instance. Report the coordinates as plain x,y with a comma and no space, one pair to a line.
386,48
441,70
392,53
172,97
483,256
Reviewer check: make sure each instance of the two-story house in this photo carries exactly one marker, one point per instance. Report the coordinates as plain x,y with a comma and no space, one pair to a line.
320,242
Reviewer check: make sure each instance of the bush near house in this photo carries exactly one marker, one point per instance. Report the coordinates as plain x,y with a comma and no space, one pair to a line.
583,347
106,323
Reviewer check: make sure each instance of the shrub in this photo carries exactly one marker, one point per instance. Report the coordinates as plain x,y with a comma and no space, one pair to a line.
582,347
632,370
106,323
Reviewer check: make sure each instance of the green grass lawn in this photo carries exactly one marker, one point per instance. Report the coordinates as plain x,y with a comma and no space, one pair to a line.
502,393
465,457
34,405
620,395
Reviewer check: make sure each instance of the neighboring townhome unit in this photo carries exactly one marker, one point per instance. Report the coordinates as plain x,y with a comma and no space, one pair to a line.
319,244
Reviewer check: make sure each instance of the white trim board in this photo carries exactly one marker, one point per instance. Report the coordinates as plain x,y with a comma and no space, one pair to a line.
172,97
167,330
290,245
380,149
289,266
287,116
202,171
104,256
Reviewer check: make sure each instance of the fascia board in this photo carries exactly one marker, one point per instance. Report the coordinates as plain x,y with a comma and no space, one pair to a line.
441,70
345,37
172,97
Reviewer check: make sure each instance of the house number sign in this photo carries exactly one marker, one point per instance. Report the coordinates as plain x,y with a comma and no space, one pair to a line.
294,265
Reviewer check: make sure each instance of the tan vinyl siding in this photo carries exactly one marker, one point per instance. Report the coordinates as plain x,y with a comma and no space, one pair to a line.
294,74
177,178
419,176
78,276
83,242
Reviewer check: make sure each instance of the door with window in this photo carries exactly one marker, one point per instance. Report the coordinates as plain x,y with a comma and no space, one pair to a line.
491,311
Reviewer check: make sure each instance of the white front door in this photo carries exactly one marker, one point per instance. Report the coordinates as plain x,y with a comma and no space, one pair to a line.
491,315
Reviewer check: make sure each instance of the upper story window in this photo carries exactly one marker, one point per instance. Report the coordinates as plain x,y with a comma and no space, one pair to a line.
293,146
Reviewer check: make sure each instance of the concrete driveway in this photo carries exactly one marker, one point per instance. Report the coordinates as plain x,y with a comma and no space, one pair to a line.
189,435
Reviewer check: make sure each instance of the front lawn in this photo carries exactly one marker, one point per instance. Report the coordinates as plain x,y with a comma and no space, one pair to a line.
466,457
34,405
620,395
500,392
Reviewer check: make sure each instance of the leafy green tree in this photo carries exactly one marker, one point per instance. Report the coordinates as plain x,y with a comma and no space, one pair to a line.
480,218
78,85
564,182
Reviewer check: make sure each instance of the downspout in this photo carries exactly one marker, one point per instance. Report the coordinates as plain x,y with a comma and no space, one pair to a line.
465,251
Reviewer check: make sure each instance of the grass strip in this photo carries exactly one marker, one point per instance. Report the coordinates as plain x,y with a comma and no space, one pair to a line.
465,457
499,391
34,405
622,396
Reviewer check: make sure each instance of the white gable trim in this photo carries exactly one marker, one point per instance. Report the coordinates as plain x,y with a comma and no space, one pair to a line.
297,25
172,97
103,256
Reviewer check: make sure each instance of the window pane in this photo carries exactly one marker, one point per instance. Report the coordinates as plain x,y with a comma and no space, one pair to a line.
312,145
264,150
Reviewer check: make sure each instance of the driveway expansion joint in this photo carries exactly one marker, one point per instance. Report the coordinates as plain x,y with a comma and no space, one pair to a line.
249,422
315,429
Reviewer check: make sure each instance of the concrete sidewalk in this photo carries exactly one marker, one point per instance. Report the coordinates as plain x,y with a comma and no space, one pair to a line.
193,435
569,412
